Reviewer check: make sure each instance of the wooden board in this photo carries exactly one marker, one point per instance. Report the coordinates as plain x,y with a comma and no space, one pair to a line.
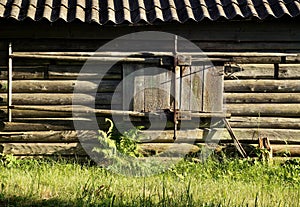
42,149
253,71
270,109
149,87
59,86
59,98
289,71
278,86
75,149
196,98
262,97
72,71
243,134
212,89
265,122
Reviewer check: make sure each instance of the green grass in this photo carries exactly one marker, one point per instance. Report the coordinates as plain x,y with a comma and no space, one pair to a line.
230,182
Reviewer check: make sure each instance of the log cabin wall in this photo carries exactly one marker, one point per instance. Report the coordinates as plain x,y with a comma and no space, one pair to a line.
263,98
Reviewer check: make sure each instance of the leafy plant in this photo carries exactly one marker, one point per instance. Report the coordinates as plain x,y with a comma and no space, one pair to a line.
128,143
113,143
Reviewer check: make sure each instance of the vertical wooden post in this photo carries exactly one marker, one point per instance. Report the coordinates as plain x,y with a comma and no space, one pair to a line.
9,83
176,98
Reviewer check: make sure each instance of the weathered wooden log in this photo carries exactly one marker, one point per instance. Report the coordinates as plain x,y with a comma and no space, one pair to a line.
294,59
158,136
286,150
83,59
155,53
46,112
24,72
262,86
37,126
59,86
270,109
42,149
202,135
61,72
289,71
59,98
39,136
250,71
265,122
262,97
73,72
71,149
262,59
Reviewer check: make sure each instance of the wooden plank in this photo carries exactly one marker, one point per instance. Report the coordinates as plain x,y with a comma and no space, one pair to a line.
150,91
289,71
37,126
164,93
201,135
9,83
265,122
139,96
72,149
58,98
262,86
59,86
262,97
293,59
170,149
278,150
128,87
212,89
184,136
186,89
157,83
39,136
42,149
196,88
24,72
270,109
261,71
72,72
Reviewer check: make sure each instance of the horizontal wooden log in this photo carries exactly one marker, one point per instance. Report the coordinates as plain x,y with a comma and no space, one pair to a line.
289,71
270,109
202,135
286,150
59,98
39,136
58,86
262,86
60,72
191,136
262,71
73,71
265,122
294,59
24,72
24,149
21,113
75,149
262,97
154,53
259,60
278,149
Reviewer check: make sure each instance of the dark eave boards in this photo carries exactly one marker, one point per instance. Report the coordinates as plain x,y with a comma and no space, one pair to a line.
146,11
